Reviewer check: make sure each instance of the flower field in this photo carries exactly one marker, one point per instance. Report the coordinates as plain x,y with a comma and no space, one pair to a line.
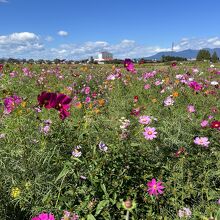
110,142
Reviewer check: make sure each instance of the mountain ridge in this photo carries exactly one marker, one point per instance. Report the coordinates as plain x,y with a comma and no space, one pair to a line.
189,54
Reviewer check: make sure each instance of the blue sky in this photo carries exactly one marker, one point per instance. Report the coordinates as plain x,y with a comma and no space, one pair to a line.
75,29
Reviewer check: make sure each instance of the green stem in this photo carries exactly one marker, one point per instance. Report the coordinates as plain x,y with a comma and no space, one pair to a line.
127,215
60,191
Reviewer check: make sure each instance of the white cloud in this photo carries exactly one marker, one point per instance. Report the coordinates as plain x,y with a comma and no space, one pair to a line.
216,43
18,38
197,43
29,45
49,38
62,33
17,44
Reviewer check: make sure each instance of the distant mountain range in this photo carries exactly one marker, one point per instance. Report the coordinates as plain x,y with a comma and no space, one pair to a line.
189,54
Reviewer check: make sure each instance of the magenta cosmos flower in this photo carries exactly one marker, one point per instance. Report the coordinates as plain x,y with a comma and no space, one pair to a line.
154,187
10,103
145,119
203,141
194,85
150,133
60,102
128,64
44,216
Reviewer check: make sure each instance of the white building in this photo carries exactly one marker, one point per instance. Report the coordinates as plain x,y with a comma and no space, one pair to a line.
104,56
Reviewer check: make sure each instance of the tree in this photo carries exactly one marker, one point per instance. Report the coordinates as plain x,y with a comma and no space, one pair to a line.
215,57
203,55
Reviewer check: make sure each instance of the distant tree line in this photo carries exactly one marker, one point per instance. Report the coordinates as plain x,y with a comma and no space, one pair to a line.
205,55
172,58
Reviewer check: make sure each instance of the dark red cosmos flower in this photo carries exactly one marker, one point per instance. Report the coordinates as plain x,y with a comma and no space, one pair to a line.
173,64
62,105
215,124
136,98
47,99
128,64
60,102
1,67
135,111
180,151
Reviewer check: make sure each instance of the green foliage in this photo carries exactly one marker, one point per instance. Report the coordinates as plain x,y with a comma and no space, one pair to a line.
215,57
203,55
172,58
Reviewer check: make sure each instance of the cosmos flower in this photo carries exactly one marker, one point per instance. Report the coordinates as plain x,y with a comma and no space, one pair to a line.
44,216
145,119
194,85
203,141
10,103
135,99
191,109
204,123
184,213
60,102
168,101
173,64
135,111
150,133
215,124
180,151
87,90
147,86
128,64
1,67
154,187
102,146
76,152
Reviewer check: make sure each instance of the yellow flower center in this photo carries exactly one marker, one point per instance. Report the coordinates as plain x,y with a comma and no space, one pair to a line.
150,132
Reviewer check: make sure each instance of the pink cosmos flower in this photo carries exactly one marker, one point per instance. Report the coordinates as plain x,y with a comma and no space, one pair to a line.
168,101
145,119
147,86
44,216
154,187
149,75
27,72
87,90
203,141
158,82
150,133
13,74
88,99
204,123
195,70
191,108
